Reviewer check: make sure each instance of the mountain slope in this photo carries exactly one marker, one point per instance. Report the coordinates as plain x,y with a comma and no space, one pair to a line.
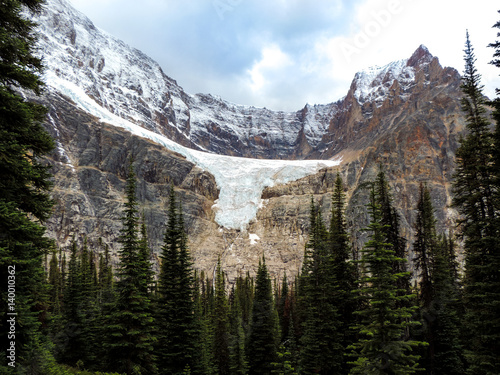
404,116
133,86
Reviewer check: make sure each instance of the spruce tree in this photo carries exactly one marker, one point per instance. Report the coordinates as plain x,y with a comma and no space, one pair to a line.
326,298
283,306
424,245
263,337
70,341
344,271
391,229
220,319
178,329
447,352
238,361
131,323
438,293
87,309
203,345
382,347
25,184
496,116
474,197
56,290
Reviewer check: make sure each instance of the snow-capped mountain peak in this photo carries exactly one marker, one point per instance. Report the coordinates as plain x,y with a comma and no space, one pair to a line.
373,84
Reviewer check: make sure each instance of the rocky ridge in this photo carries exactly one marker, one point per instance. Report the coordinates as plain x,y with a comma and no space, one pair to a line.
404,116
133,86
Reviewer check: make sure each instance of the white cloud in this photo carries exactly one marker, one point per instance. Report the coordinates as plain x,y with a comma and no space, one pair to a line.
282,54
262,72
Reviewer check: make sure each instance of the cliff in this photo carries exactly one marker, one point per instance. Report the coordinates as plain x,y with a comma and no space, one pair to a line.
108,102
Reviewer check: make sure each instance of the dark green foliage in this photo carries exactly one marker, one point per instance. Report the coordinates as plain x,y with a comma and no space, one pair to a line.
326,283
424,245
284,364
391,228
203,345
131,337
475,198
24,187
446,356
383,347
263,337
220,321
438,294
344,271
178,331
321,350
283,302
238,361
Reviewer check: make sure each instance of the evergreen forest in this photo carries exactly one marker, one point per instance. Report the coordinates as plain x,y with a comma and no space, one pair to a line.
349,310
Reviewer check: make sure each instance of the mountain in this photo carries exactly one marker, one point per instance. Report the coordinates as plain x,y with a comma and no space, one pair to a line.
108,102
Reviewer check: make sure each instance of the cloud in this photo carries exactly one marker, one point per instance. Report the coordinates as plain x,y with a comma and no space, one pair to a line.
264,71
283,54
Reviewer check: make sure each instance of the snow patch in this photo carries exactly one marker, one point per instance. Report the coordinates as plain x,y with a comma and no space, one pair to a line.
253,238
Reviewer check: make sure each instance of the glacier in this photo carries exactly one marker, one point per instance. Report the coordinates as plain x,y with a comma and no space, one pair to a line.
240,180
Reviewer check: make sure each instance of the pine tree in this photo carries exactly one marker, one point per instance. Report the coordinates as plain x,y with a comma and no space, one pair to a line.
438,293
106,303
382,347
238,361
322,348
496,116
474,197
446,356
283,307
203,345
88,309
344,271
55,285
263,337
178,329
131,342
424,245
25,184
70,341
220,319
391,228
424,248
56,289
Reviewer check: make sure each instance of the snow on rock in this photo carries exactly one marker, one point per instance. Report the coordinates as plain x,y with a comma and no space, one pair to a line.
133,86
373,84
253,238
240,180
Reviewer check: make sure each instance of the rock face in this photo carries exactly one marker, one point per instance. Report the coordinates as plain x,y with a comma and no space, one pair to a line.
404,116
90,166
131,85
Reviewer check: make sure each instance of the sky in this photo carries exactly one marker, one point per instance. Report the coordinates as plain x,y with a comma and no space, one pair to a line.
282,54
